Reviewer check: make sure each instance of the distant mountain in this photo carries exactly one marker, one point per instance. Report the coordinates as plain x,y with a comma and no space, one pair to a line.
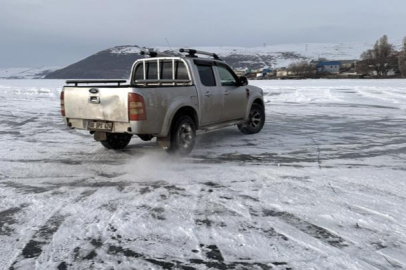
116,63
26,73
106,64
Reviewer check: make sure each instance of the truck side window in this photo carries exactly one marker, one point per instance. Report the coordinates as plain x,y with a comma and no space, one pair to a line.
206,75
226,77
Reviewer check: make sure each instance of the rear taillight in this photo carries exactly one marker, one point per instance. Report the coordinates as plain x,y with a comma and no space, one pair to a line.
136,107
62,103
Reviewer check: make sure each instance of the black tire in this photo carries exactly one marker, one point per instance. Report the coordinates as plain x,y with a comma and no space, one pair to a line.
256,120
183,136
145,137
116,141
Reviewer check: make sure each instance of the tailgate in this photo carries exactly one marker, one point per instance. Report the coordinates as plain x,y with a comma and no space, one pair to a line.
109,104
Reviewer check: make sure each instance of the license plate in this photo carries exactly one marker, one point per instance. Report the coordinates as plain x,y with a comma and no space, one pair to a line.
100,126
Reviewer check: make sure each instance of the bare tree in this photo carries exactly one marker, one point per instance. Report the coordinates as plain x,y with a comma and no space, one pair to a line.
302,69
362,68
294,68
402,59
382,58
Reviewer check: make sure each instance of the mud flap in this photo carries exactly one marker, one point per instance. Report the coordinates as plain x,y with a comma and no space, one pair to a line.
100,136
164,142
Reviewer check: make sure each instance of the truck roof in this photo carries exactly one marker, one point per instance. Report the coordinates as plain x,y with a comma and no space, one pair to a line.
190,53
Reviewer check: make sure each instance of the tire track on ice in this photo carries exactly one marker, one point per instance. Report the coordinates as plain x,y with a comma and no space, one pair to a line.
325,241
212,255
34,247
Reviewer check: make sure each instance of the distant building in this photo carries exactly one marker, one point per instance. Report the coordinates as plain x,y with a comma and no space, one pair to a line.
328,67
239,72
348,63
266,71
283,72
262,72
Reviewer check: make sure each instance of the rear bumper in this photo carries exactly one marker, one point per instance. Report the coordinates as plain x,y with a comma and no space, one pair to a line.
118,127
133,127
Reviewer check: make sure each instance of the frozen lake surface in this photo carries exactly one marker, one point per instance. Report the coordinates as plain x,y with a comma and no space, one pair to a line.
322,187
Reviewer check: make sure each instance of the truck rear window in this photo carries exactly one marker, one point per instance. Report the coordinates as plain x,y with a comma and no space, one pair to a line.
181,72
152,71
139,73
166,70
166,73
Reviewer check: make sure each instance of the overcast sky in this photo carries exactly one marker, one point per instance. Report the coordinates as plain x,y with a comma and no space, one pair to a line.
60,32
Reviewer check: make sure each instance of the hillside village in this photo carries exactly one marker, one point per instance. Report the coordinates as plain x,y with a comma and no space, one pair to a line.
382,61
346,69
312,69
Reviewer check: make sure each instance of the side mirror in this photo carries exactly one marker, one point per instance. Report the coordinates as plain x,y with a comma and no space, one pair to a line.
243,80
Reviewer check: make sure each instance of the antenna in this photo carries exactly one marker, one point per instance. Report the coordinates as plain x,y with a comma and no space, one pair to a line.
171,50
167,42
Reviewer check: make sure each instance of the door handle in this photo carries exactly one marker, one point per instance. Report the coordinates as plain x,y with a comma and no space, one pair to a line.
94,99
207,94
226,93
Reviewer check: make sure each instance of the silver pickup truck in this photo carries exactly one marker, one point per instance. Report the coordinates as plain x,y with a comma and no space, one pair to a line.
167,97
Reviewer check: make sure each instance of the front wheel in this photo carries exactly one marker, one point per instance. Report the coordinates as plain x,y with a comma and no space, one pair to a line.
256,120
183,136
116,141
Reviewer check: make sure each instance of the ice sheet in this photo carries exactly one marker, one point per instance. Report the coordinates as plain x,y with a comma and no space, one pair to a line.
321,187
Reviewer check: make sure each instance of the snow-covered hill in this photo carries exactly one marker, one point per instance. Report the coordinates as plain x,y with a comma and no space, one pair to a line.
26,73
278,55
116,62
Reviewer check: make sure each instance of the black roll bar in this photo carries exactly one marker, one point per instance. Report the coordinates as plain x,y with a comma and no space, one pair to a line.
76,82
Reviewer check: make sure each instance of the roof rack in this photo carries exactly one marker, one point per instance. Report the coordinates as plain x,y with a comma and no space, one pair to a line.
155,54
192,53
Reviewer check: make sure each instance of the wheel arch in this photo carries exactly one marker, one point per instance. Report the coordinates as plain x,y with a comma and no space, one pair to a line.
259,102
174,114
186,111
255,99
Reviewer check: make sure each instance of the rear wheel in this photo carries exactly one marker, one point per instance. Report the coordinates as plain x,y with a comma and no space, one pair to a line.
116,140
183,136
145,137
256,120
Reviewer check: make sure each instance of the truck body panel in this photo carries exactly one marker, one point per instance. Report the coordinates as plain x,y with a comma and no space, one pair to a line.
108,104
207,88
